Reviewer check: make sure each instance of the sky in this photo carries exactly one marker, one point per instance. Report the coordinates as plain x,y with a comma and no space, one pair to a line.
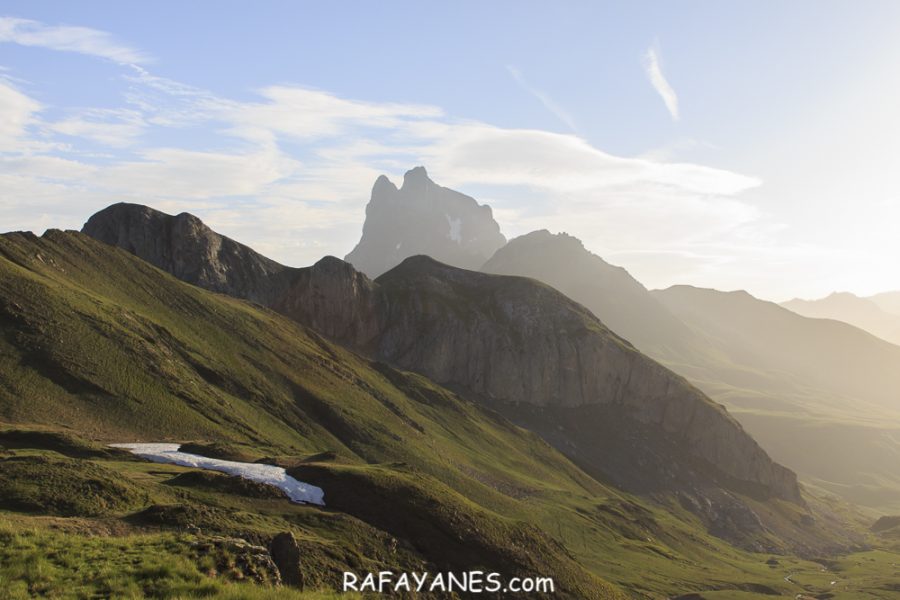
735,145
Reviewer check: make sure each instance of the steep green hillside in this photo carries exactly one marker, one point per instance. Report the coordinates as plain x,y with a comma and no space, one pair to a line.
97,342
98,346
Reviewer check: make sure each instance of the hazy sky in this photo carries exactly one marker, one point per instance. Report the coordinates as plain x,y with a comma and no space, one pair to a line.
749,145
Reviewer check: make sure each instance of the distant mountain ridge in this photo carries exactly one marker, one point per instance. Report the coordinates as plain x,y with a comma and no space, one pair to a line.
610,292
888,302
763,335
864,313
821,395
422,217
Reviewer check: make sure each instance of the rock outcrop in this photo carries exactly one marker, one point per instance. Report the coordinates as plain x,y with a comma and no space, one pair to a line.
538,357
286,555
237,559
185,247
422,217
331,296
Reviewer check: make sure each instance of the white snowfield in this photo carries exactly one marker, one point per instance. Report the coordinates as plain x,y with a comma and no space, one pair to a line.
297,491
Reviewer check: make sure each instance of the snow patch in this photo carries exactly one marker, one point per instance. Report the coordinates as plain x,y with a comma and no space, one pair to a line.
297,491
455,229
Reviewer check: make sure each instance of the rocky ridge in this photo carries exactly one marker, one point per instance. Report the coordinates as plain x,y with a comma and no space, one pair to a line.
510,342
185,247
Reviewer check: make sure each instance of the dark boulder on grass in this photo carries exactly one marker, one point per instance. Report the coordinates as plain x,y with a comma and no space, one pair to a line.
286,553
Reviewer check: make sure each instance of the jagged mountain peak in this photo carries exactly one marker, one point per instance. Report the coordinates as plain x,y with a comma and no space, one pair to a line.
422,217
383,186
417,176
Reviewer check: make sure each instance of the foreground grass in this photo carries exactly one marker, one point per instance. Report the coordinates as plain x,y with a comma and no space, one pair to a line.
37,562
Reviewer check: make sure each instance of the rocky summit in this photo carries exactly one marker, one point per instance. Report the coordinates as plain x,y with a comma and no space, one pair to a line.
422,217
185,247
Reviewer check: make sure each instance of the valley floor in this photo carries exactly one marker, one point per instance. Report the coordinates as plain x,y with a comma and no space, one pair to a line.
93,548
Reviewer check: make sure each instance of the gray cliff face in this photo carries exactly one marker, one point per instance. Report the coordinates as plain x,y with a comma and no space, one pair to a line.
331,296
185,247
422,217
512,343
334,299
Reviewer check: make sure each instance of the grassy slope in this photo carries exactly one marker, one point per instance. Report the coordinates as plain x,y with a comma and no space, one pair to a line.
38,560
99,343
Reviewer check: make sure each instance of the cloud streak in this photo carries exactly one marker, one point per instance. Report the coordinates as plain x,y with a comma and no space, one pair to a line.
660,83
67,38
542,97
19,112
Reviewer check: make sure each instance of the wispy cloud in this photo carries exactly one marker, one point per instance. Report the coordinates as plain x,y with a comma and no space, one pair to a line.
68,38
112,127
548,102
660,83
289,170
18,112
